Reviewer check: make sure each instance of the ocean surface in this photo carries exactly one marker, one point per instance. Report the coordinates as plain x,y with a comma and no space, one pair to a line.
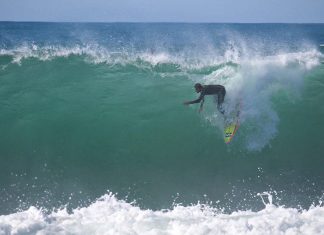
95,139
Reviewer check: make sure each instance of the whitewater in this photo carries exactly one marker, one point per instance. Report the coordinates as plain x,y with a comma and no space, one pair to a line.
111,216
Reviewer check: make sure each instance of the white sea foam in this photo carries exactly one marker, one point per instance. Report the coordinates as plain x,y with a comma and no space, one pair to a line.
108,215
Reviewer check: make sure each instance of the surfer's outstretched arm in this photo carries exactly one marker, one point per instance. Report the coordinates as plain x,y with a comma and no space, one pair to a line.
201,98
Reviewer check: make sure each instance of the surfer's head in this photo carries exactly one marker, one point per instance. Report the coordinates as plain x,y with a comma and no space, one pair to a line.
198,87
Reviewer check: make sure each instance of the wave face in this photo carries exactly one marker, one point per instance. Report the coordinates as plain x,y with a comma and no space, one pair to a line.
86,108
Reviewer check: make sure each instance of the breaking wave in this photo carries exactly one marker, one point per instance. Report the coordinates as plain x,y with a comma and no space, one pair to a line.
108,215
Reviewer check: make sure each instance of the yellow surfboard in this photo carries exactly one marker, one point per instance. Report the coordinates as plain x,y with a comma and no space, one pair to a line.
231,125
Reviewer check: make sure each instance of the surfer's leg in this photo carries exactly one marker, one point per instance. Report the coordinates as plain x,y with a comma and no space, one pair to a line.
220,108
220,100
216,101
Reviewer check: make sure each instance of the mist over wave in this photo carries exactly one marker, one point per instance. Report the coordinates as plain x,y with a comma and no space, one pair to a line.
187,58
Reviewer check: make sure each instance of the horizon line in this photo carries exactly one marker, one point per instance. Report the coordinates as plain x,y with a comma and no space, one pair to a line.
154,22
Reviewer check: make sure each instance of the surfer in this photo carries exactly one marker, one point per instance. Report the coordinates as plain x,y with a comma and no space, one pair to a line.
217,90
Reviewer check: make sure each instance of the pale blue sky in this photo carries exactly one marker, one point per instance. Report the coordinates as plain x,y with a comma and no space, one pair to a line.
290,11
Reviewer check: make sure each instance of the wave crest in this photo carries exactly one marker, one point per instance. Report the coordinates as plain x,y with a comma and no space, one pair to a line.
186,60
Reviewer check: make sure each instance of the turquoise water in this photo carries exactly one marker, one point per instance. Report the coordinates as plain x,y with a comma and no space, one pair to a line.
91,108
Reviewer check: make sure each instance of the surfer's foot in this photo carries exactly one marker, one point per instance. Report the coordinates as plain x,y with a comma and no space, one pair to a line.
221,110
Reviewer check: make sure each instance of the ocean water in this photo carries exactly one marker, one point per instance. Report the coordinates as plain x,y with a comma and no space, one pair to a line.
95,138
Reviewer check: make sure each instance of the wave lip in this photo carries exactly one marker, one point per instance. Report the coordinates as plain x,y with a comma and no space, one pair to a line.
185,59
108,215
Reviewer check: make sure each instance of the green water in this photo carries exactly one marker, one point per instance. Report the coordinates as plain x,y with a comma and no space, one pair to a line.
72,130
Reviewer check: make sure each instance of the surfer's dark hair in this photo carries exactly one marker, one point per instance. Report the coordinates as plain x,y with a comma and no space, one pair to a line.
198,85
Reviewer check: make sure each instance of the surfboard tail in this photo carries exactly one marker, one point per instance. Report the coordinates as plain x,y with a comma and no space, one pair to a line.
232,127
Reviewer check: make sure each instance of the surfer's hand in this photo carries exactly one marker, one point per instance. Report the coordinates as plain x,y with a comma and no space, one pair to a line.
186,103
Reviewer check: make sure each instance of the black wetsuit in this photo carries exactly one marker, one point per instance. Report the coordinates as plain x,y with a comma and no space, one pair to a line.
217,90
